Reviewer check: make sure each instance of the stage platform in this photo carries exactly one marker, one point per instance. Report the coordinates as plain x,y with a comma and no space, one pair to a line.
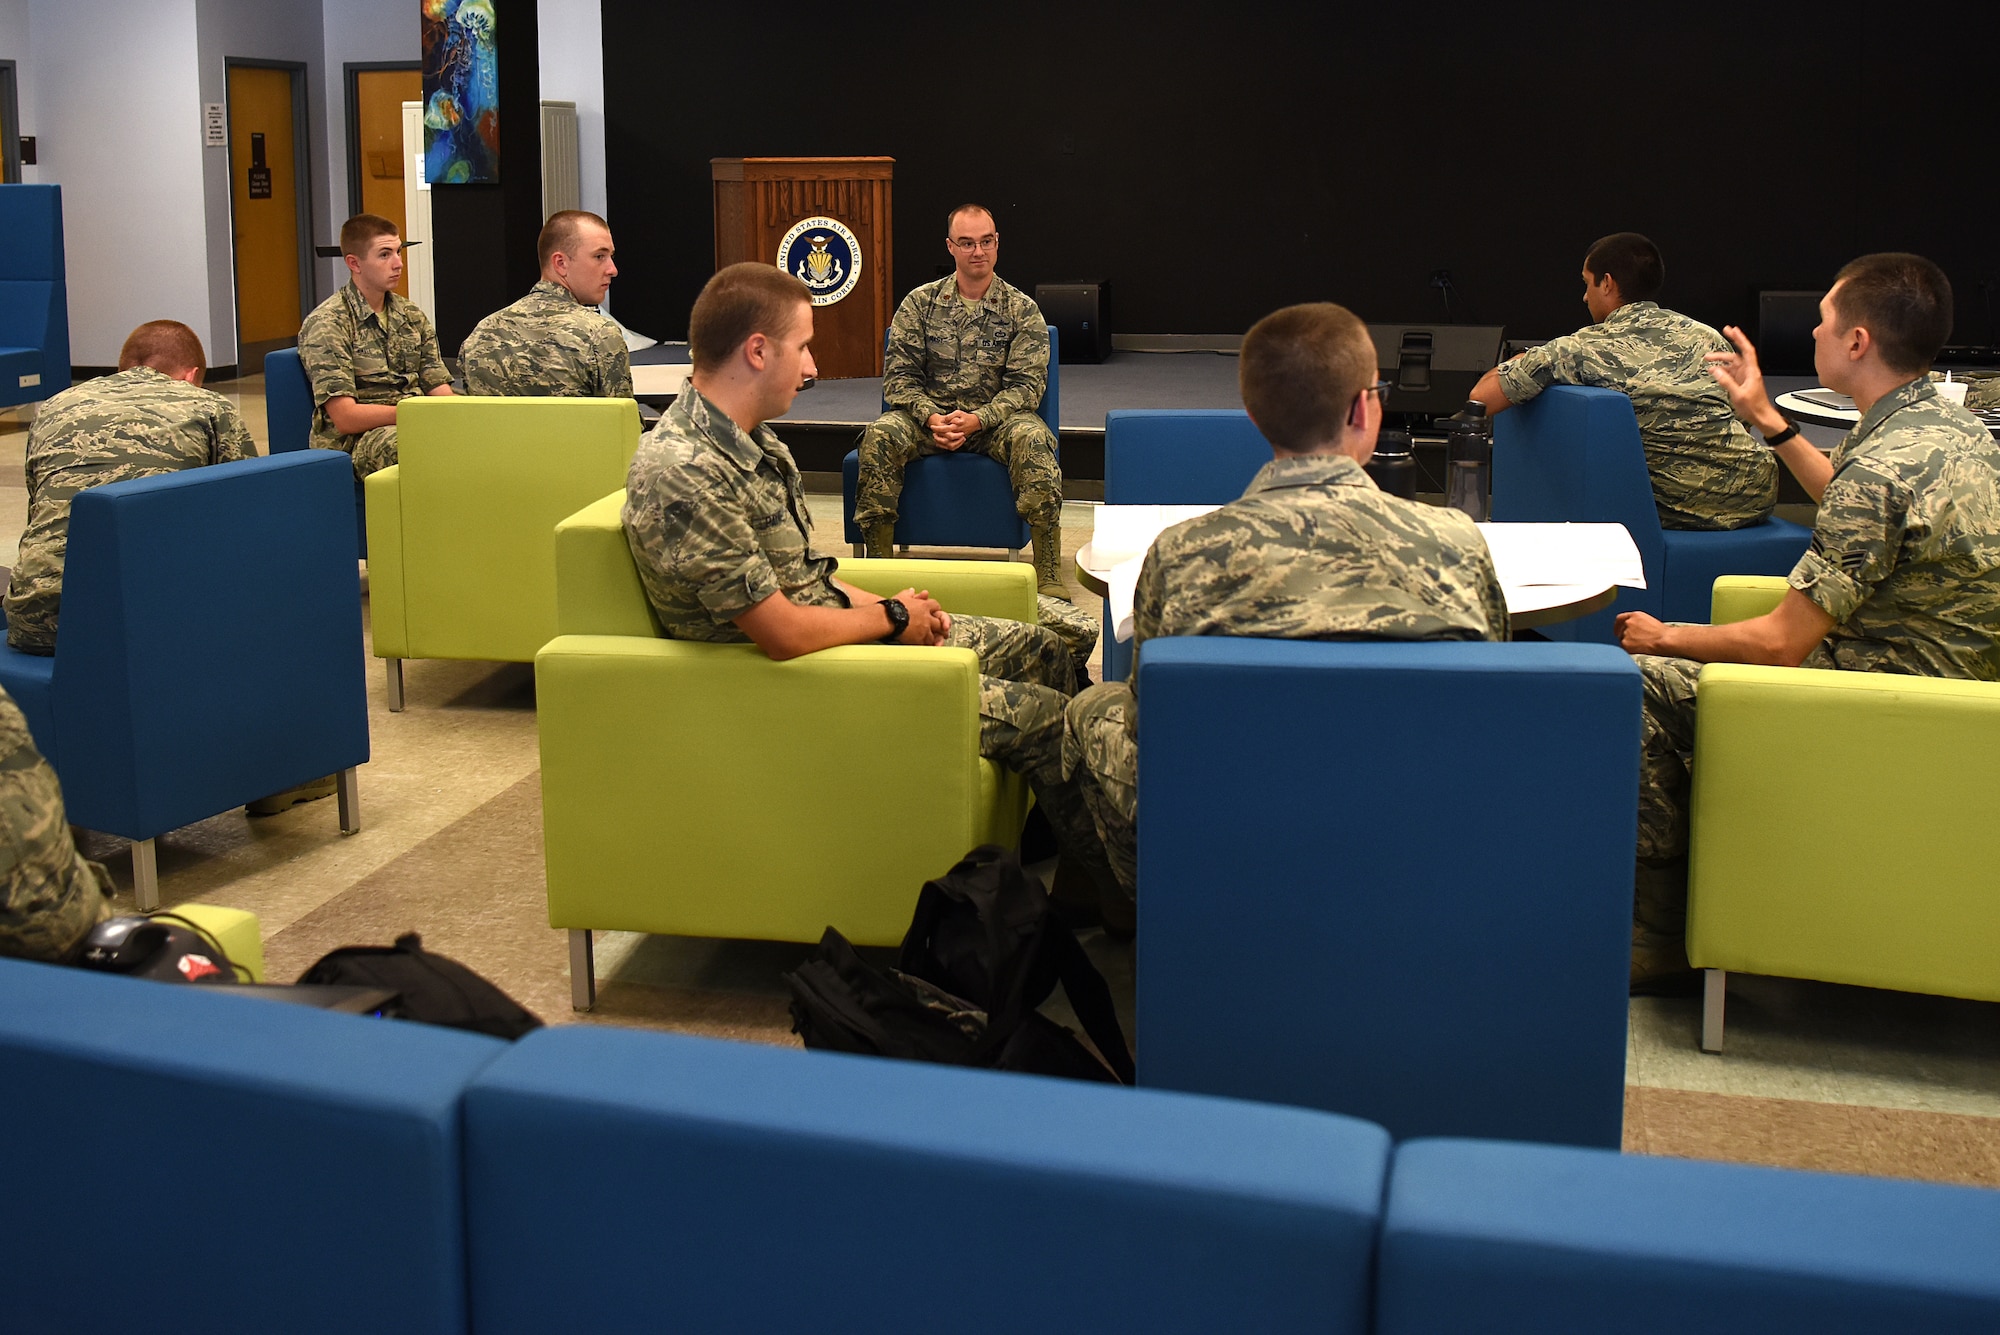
825,420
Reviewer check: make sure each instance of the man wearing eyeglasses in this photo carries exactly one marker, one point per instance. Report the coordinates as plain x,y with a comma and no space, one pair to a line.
365,349
1312,550
968,360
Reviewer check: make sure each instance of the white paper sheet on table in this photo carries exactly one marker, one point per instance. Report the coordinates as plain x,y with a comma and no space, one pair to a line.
1126,532
1570,554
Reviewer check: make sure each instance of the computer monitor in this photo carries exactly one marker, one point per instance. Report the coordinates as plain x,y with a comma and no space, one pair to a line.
1785,323
1431,368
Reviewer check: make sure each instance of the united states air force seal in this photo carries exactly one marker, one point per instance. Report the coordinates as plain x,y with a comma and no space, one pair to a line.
824,255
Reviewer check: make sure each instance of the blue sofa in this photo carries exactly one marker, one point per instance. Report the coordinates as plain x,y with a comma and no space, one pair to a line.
1573,455
1389,879
210,648
288,419
1174,456
34,295
180,1160
188,1161
1536,1239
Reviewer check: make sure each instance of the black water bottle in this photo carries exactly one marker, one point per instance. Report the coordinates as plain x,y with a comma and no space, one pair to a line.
1394,466
1468,452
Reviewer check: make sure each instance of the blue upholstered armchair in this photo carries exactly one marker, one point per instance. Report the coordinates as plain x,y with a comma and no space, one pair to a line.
1390,880
288,419
34,295
209,652
1573,455
957,500
1174,456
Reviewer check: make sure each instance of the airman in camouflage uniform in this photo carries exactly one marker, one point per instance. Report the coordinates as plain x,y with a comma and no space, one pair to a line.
134,424
717,522
1905,558
987,357
1312,551
50,896
350,351
547,343
1708,471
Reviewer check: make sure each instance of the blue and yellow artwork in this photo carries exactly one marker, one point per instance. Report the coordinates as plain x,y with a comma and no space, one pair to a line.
461,92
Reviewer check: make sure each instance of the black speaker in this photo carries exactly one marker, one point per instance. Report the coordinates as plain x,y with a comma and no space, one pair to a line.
1081,313
1785,323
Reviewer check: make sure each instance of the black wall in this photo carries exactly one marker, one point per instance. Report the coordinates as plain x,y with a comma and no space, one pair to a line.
1216,163
490,259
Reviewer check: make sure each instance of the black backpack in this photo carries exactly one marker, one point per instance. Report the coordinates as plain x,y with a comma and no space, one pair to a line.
984,950
431,989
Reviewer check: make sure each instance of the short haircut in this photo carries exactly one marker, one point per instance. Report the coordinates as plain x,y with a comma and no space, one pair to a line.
1902,300
1300,371
357,232
168,346
741,300
952,217
561,231
1632,260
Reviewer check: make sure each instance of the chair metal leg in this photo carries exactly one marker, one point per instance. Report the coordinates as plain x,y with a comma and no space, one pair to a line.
395,684
582,970
1714,984
349,787
1013,553
145,875
903,549
860,550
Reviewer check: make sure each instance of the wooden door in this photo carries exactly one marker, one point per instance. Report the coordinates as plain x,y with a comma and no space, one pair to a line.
378,145
264,207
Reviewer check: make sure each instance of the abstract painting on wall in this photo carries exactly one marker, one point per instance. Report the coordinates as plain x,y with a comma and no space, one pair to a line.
461,92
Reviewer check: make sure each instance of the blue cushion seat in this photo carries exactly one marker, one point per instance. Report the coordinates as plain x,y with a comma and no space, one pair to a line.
34,295
288,419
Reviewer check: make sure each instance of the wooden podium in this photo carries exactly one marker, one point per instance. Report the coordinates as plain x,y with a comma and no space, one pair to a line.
760,204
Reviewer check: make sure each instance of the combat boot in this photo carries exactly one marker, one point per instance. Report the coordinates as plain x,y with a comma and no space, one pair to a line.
1659,930
879,540
1048,560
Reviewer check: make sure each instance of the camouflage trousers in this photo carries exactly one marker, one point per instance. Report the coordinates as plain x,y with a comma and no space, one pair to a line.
372,450
1101,754
50,896
1666,755
1026,680
1023,444
1076,628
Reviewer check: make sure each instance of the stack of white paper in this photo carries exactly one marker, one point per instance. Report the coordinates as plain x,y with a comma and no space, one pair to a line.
1568,554
1125,532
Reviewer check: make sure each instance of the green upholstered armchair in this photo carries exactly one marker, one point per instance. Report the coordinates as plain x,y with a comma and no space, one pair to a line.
461,532
704,790
1841,826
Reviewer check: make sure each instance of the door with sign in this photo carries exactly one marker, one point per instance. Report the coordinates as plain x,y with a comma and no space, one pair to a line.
267,194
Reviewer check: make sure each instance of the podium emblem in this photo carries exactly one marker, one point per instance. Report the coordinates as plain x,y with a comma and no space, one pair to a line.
825,256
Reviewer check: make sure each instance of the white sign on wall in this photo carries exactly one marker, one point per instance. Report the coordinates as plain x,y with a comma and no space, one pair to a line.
214,125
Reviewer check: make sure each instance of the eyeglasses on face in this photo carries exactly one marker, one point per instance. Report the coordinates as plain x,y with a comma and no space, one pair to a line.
968,245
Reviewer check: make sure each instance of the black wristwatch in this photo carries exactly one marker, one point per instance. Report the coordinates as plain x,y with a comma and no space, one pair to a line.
1791,429
899,620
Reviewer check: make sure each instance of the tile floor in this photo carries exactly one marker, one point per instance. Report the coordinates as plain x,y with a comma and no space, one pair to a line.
1814,1075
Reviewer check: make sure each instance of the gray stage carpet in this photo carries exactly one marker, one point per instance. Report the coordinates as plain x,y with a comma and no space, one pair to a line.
1124,380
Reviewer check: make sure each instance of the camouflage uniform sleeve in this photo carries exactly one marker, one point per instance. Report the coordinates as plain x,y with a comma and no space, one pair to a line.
326,350
1856,539
903,384
616,363
1553,363
433,371
232,439
49,895
708,543
1026,376
1499,625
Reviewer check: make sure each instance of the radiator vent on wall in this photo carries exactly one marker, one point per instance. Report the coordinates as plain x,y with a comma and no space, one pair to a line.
562,182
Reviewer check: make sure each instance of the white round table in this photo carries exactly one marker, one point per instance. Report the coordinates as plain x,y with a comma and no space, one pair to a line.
1801,409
